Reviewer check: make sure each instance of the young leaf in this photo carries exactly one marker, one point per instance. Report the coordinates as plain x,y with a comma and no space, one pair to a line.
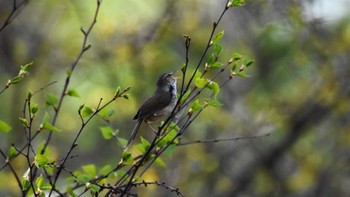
169,151
73,93
39,181
48,126
87,111
196,106
211,59
26,67
236,56
127,158
41,160
160,162
218,37
185,96
200,82
24,121
107,132
215,87
33,108
216,65
213,103
90,170
4,127
218,49
51,100
105,170
16,79
106,112
248,62
83,178
242,74
12,152
143,146
234,67
237,3
126,96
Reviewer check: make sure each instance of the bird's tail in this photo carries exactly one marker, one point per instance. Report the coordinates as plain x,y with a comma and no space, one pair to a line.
134,133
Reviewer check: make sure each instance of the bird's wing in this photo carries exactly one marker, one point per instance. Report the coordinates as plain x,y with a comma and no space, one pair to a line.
154,104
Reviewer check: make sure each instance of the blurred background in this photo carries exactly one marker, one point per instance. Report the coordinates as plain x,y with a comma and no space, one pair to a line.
298,89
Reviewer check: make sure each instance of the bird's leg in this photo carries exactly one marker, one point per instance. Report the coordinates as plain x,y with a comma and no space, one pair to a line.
155,131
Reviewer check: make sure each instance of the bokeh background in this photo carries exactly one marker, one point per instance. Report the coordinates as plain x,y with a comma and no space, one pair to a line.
298,89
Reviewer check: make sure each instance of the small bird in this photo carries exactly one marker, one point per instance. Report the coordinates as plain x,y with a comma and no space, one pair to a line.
159,105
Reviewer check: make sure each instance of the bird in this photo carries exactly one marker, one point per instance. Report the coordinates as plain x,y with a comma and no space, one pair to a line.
159,105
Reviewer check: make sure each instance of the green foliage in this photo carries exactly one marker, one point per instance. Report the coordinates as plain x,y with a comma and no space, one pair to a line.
107,132
47,125
41,160
73,93
22,73
12,152
90,170
4,127
51,100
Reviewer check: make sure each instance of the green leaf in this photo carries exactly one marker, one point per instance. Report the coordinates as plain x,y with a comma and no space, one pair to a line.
127,158
170,135
105,170
211,59
234,67
143,146
16,79
237,3
12,152
24,121
70,191
73,93
33,108
160,162
126,96
218,37
107,132
41,160
185,96
39,181
170,150
95,189
196,106
216,65
90,170
218,49
51,100
215,87
87,111
25,184
4,127
200,82
242,74
236,56
46,186
25,180
48,126
213,103
248,62
26,67
49,169
106,112
83,178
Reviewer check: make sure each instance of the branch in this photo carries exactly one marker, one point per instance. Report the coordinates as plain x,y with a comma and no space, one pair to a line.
222,140
84,48
15,10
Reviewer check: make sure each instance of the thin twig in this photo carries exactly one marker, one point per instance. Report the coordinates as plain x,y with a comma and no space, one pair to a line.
15,10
